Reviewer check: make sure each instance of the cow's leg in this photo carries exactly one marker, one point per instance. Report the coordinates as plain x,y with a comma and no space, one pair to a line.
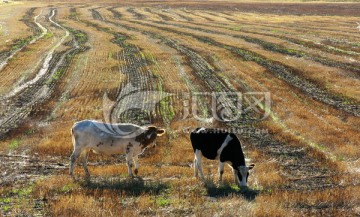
129,164
85,157
221,171
196,168
235,176
199,164
135,159
76,153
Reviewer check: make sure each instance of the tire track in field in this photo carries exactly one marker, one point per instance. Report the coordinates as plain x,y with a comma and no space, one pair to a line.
46,63
117,15
305,29
332,30
273,47
283,50
193,13
299,167
227,16
203,69
96,15
188,19
136,14
26,168
137,90
19,104
352,47
284,72
174,16
162,16
217,15
349,50
39,32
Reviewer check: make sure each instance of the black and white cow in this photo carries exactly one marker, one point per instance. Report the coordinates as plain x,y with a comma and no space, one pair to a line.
214,144
129,139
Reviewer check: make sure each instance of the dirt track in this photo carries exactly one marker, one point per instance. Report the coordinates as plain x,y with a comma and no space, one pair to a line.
22,100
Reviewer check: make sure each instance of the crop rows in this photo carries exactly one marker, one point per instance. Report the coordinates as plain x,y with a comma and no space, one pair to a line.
206,73
139,78
19,44
20,104
281,49
284,72
310,111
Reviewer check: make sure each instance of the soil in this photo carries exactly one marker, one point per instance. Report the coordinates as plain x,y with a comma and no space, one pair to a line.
19,106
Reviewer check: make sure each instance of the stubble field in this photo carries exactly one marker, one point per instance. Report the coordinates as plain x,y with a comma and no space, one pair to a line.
62,62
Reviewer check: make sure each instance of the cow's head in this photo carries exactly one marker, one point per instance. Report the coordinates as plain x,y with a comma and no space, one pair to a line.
243,174
149,135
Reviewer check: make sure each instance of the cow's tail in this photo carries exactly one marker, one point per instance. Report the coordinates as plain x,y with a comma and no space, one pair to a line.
73,137
74,155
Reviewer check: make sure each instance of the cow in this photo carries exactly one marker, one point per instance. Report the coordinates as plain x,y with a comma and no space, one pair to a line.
111,139
215,144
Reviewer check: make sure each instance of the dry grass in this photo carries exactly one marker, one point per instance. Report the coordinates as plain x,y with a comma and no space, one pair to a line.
325,137
293,111
11,26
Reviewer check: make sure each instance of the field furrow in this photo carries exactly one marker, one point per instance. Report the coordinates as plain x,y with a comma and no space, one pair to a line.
291,75
308,110
276,47
181,16
339,48
136,14
96,15
19,44
296,25
249,23
117,15
130,107
22,101
160,15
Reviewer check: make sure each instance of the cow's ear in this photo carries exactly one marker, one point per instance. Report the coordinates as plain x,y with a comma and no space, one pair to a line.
251,166
151,128
160,132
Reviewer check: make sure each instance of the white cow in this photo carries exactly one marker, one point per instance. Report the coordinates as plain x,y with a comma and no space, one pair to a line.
111,139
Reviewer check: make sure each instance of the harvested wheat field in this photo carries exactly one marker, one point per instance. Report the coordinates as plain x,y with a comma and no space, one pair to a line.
284,77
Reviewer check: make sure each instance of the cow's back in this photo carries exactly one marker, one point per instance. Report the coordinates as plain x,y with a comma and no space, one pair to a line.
208,141
96,128
103,137
81,127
